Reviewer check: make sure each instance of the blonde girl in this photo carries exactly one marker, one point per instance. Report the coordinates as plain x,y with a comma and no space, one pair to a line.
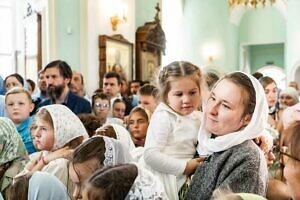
58,131
172,133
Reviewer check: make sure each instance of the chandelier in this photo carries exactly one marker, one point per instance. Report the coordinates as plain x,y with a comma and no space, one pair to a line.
249,3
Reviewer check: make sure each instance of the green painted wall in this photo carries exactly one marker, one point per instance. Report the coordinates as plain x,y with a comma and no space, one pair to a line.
145,11
206,22
262,55
261,26
293,35
68,32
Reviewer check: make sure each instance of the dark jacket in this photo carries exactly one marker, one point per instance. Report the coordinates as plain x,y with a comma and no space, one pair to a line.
242,168
76,103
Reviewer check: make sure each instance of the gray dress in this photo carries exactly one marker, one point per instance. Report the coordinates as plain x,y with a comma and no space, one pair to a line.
242,168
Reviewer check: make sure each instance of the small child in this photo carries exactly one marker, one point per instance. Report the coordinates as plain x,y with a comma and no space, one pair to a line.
173,130
18,106
56,133
101,105
118,109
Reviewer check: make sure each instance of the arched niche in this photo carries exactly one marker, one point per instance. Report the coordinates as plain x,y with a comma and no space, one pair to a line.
275,72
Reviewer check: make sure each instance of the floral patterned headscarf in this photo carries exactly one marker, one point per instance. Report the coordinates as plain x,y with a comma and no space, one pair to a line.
67,126
11,145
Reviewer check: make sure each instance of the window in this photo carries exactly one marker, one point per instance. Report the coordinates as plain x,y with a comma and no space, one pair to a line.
6,38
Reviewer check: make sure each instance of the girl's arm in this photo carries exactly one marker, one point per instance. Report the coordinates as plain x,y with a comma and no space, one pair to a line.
159,131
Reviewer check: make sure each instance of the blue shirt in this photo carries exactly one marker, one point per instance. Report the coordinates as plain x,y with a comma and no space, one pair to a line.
24,132
2,106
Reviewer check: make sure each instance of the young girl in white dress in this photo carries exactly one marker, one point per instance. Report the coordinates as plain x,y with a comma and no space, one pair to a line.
172,133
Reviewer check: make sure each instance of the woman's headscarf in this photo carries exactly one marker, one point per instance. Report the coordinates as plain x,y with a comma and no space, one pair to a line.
115,152
255,128
67,126
146,186
43,185
11,145
124,136
292,92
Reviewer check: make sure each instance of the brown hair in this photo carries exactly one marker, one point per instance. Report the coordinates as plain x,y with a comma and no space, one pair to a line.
111,183
149,90
18,90
294,133
266,80
18,190
91,122
176,70
243,81
100,95
93,148
45,116
141,111
17,76
107,130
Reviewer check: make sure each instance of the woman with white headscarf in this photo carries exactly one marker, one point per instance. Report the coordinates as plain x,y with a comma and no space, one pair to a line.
12,153
56,133
117,132
236,113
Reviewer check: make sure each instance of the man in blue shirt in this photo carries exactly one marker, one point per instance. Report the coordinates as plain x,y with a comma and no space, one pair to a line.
58,77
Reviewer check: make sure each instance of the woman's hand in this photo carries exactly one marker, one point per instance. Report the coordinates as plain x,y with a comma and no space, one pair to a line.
35,165
192,165
264,144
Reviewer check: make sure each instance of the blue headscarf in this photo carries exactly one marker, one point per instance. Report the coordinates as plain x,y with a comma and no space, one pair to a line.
43,185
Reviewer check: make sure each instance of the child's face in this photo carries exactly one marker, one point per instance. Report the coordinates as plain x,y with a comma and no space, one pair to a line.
18,107
147,102
119,110
44,135
101,108
184,95
138,126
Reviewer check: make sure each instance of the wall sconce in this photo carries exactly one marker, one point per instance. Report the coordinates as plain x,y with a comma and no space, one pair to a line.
210,51
119,16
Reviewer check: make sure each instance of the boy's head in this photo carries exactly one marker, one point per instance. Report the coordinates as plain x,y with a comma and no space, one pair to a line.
101,105
148,97
118,109
18,104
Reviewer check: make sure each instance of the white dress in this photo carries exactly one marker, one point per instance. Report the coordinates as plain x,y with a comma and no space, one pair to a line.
171,141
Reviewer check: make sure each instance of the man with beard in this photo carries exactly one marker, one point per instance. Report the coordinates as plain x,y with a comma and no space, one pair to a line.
58,77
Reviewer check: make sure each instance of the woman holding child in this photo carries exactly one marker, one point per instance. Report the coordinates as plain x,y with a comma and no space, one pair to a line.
230,123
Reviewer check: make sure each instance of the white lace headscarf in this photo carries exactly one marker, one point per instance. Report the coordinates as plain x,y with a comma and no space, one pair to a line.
115,152
67,126
255,128
122,135
146,186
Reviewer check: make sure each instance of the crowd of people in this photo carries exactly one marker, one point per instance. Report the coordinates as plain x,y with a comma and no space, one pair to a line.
191,134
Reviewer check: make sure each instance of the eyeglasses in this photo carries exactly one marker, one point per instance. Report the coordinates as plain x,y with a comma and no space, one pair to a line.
99,105
283,153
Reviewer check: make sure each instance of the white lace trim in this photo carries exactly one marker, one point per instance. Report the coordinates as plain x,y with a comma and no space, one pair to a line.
109,153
